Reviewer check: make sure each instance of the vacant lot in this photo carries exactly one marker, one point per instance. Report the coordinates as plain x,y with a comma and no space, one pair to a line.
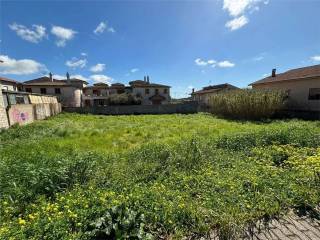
166,176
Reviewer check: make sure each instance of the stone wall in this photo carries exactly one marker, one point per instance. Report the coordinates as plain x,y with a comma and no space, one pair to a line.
185,108
3,114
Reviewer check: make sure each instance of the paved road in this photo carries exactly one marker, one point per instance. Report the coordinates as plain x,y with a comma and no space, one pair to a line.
292,227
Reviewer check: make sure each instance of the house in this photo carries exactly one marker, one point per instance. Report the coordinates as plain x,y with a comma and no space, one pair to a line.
150,93
302,86
203,96
9,84
68,91
96,95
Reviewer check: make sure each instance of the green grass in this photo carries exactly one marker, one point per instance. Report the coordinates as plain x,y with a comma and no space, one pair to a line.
150,176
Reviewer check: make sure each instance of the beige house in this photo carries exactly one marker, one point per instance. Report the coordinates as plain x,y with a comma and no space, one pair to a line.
9,84
95,95
68,91
203,96
150,93
302,86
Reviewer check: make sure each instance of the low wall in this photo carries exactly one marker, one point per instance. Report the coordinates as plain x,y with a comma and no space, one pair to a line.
21,114
184,108
26,113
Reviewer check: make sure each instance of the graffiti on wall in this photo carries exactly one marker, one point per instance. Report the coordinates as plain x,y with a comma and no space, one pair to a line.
20,116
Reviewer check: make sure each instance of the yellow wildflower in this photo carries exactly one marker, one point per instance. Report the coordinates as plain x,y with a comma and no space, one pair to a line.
21,221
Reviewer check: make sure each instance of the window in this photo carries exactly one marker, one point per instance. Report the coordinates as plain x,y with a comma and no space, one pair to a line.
43,90
57,91
165,91
147,91
314,94
96,92
20,99
28,90
156,91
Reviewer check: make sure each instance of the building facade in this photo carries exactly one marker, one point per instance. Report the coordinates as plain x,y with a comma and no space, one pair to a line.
302,86
203,96
68,91
148,93
9,84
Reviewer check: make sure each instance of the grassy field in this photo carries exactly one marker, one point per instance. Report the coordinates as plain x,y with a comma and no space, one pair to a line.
153,177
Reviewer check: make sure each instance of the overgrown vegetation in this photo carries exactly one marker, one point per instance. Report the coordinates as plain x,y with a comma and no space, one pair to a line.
123,99
248,104
150,177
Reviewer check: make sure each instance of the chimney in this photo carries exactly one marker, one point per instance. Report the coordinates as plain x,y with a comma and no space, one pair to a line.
50,76
192,90
274,72
148,79
68,77
144,78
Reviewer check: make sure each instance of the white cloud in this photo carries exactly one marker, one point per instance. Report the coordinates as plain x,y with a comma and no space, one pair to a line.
98,68
133,70
315,58
34,35
265,75
20,67
239,7
59,77
63,35
237,23
236,7
201,62
101,78
79,76
225,64
213,63
237,10
76,63
63,77
257,59
102,27
84,54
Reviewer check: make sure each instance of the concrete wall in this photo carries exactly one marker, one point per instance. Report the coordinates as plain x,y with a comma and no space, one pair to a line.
189,107
40,107
3,114
27,113
21,114
298,92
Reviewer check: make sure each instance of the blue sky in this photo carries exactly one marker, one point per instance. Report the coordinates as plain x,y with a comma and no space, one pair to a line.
184,44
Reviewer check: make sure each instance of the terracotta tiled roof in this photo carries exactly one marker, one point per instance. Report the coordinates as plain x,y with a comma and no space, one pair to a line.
8,80
137,82
47,81
294,74
148,85
215,88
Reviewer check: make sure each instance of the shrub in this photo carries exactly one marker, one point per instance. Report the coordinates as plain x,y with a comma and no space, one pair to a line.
123,99
249,104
